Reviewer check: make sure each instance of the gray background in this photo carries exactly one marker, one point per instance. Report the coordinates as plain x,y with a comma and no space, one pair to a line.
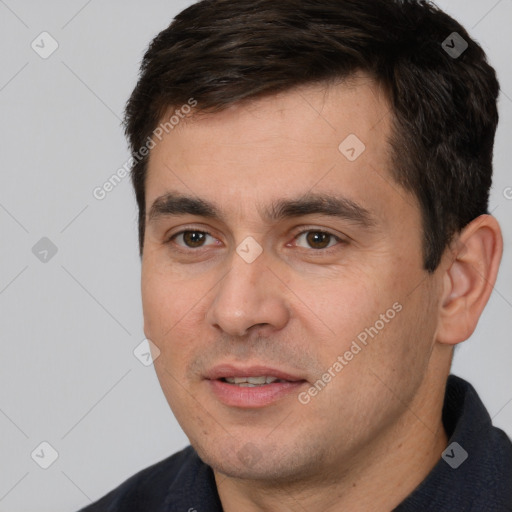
69,325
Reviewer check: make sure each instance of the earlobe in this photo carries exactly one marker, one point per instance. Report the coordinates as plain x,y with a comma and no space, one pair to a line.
470,266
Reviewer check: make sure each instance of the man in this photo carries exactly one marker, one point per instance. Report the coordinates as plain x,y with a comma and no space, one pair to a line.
312,180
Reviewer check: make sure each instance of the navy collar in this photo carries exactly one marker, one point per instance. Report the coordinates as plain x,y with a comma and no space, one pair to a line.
482,481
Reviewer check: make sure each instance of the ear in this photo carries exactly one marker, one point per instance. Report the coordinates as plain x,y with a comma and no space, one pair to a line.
470,266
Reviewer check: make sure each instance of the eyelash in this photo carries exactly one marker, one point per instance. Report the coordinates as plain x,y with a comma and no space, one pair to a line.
326,250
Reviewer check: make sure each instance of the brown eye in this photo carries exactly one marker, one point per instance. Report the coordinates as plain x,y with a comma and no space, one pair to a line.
191,239
194,238
318,239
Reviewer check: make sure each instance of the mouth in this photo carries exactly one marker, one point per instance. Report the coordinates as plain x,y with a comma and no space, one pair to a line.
251,382
252,387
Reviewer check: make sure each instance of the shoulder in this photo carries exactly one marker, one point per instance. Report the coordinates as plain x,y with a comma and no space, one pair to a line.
150,488
475,470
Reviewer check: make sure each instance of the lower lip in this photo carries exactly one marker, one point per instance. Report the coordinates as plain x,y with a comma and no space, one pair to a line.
252,397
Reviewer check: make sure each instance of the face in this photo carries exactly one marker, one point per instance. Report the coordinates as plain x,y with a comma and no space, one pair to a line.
278,247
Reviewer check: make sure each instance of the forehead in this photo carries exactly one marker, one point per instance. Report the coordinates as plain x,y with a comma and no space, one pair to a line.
316,114
310,139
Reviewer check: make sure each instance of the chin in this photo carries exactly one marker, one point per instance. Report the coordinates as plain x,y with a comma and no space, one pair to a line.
254,460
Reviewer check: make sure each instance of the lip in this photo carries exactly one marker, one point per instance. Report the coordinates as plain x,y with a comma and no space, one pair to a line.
228,370
251,397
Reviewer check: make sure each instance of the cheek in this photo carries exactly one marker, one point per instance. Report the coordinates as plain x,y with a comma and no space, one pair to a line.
155,304
400,354
173,309
372,315
341,307
166,297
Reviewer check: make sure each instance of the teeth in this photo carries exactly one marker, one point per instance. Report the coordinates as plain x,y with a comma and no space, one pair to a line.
252,381
257,380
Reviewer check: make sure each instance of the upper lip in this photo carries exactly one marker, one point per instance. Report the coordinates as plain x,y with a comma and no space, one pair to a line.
228,370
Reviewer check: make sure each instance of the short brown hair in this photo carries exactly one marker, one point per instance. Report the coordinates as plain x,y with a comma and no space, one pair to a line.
444,107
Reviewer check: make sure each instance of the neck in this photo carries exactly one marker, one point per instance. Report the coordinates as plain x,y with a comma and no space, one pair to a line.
378,478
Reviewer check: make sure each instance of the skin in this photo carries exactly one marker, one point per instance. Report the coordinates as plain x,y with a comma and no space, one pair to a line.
374,432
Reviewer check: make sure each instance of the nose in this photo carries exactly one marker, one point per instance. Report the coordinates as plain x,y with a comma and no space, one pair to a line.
249,297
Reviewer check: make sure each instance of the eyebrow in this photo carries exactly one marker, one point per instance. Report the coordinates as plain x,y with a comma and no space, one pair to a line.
175,204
